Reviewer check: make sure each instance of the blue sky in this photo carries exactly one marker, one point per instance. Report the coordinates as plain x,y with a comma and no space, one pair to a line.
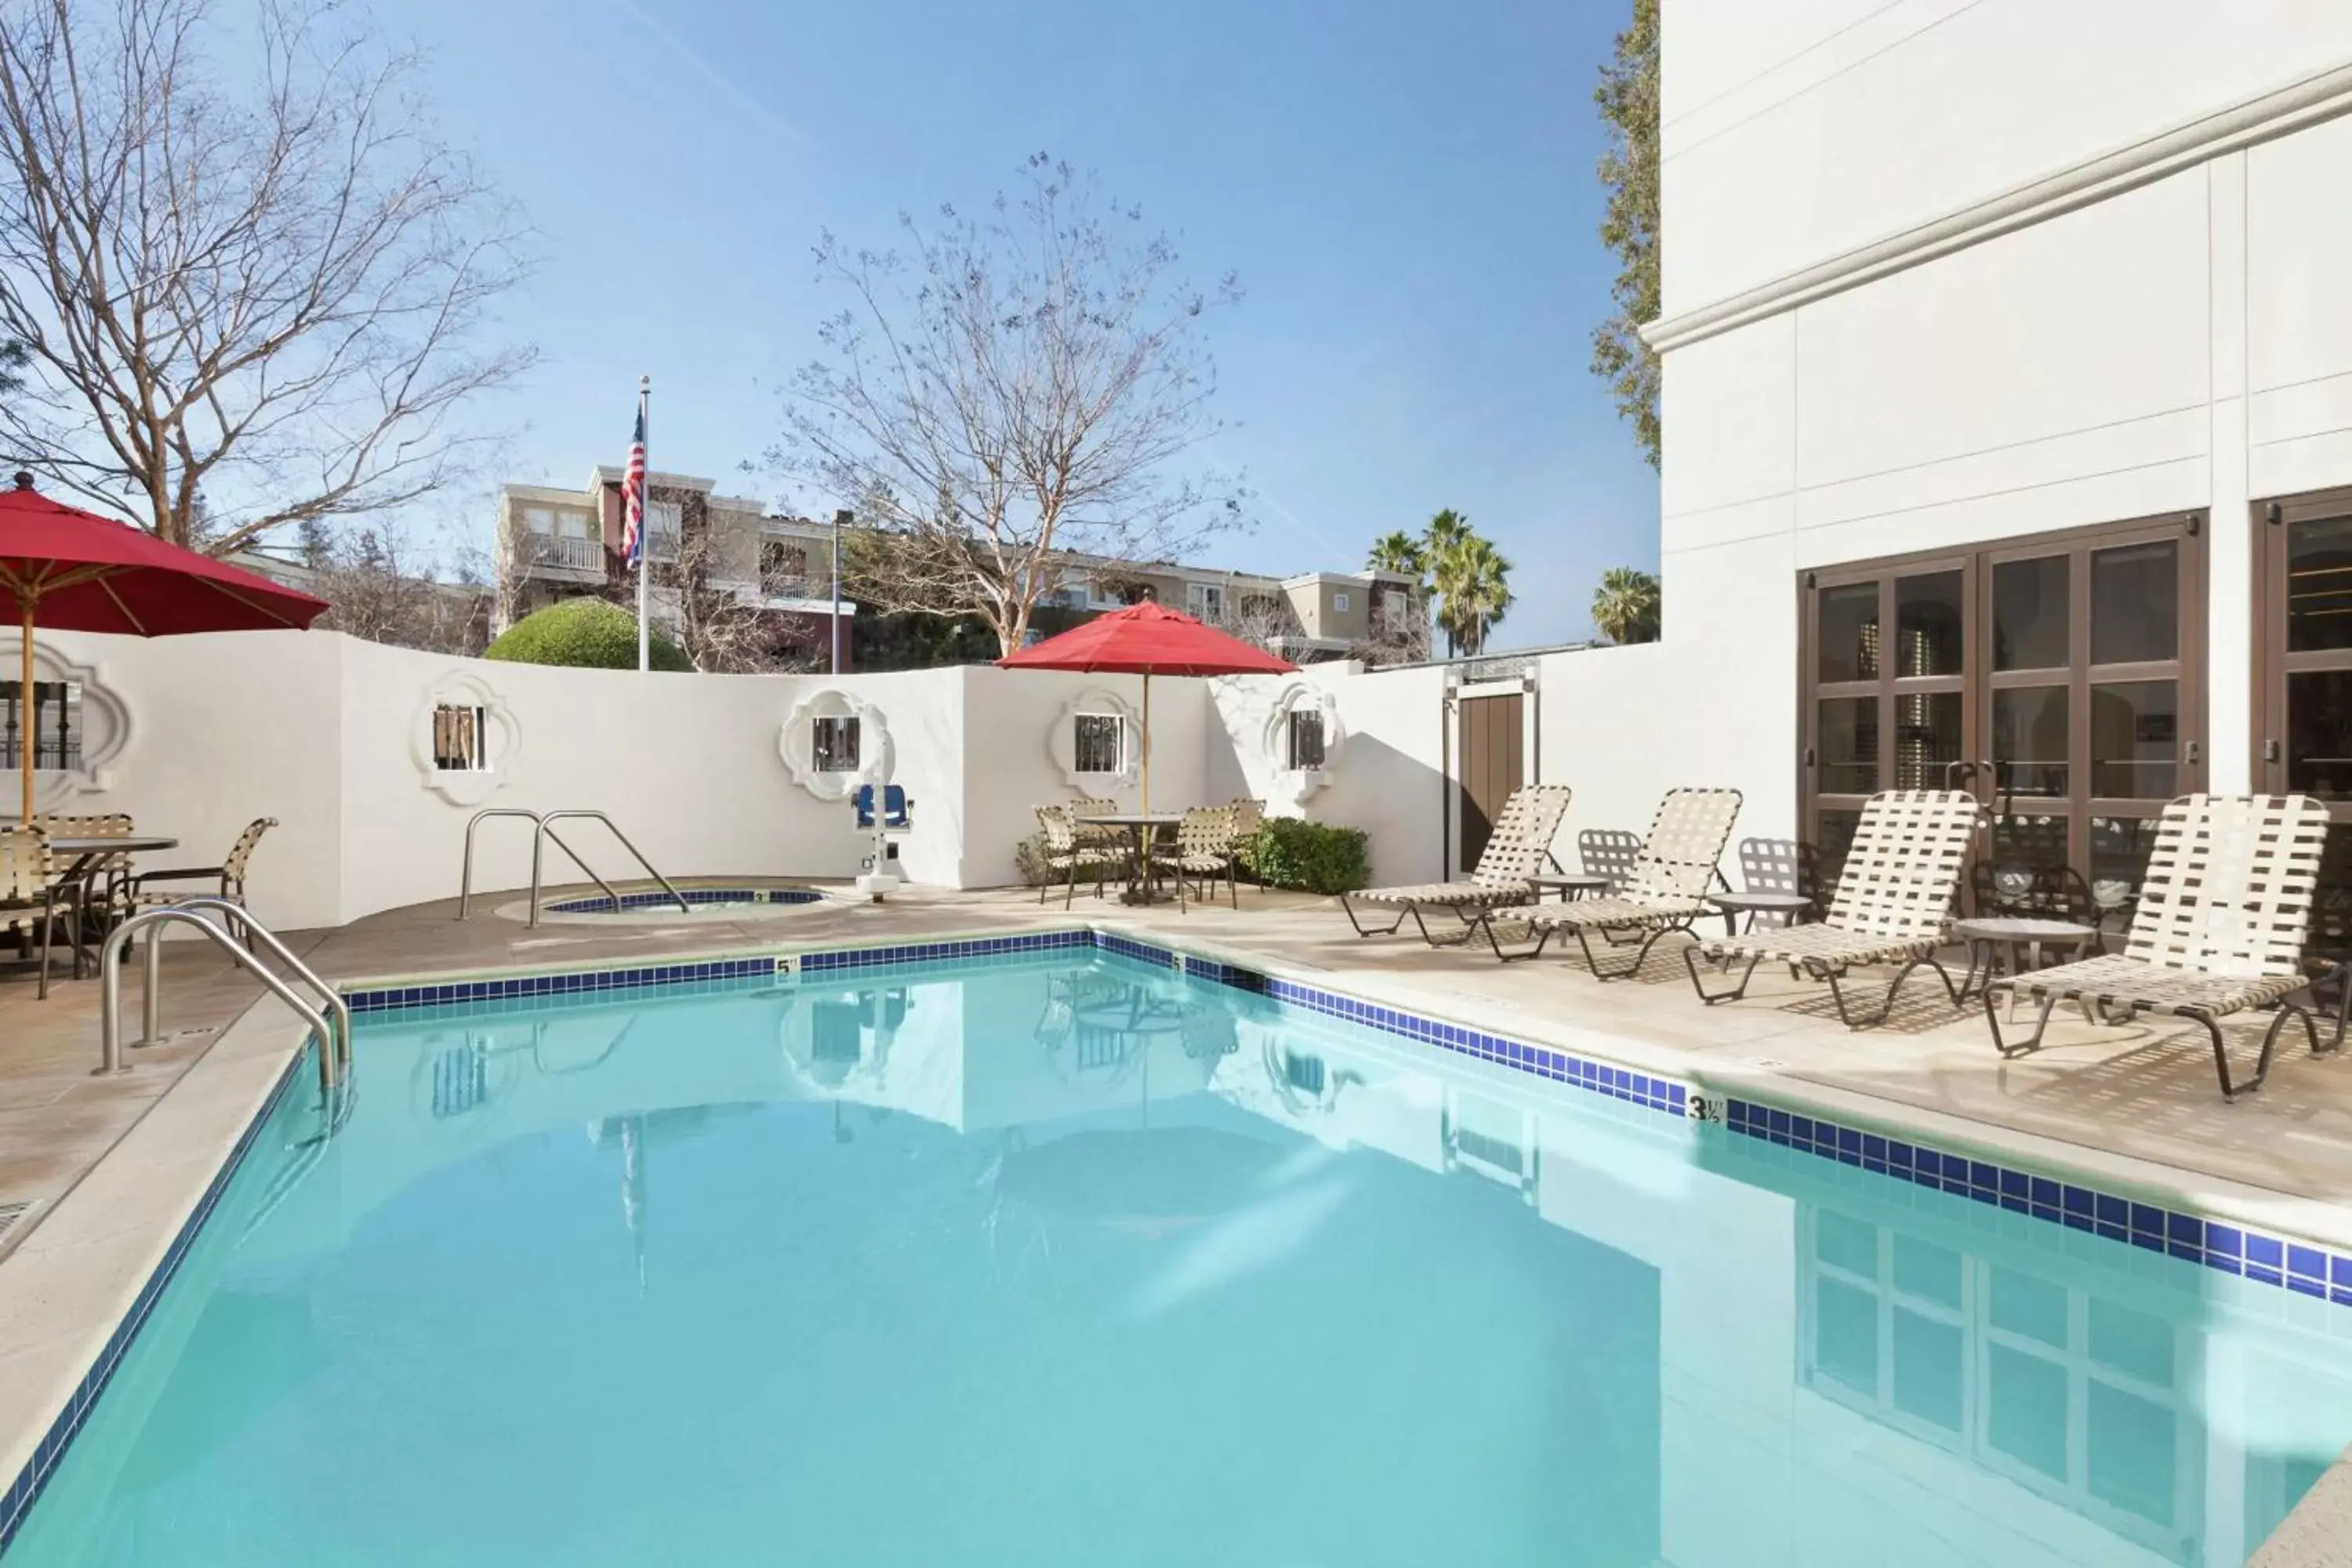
1405,189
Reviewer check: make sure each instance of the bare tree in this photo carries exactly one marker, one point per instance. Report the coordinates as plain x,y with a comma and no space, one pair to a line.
1262,620
1020,389
723,632
261,290
385,590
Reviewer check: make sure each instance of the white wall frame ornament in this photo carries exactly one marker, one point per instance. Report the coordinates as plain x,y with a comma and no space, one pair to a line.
877,755
102,727
1062,741
1292,787
500,740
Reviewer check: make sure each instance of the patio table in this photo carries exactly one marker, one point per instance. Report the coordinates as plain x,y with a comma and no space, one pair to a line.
1568,887
1142,825
87,851
1791,907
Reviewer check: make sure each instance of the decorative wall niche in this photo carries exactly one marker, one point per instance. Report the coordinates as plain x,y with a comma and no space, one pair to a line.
1285,746
834,741
83,725
1096,727
464,740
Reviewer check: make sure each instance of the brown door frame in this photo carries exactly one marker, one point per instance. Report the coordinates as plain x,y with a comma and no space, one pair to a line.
2272,661
2188,669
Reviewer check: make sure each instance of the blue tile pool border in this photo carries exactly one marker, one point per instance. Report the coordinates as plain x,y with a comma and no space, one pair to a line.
2232,1249
600,905
17,1502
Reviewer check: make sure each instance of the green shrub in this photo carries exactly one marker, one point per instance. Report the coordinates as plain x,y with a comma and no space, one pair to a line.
586,634
1313,857
1029,859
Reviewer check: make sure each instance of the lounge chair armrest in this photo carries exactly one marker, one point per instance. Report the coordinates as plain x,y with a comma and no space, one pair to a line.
182,874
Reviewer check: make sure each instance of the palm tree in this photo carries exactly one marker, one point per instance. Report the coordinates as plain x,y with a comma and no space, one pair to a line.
1482,593
1400,552
1444,545
1626,607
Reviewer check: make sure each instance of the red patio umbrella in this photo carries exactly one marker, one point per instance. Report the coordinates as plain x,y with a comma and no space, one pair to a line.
70,569
1145,639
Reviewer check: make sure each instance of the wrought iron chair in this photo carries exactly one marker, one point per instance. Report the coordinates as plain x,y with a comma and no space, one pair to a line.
143,891
1204,850
28,893
1066,852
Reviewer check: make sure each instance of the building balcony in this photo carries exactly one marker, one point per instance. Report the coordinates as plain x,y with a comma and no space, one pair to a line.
563,557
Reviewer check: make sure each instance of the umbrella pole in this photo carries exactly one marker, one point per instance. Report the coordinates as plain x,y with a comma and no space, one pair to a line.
1146,837
25,714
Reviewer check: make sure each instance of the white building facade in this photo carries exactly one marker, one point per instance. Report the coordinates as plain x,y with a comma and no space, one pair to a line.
2007,405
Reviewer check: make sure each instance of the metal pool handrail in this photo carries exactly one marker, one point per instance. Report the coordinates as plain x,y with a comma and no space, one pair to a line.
334,1050
540,827
465,876
544,832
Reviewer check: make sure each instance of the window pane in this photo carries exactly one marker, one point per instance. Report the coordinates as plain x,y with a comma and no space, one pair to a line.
1845,1334
2120,846
2131,1453
2135,603
1849,631
1099,740
1927,739
2025,1400
1932,624
2029,741
2026,872
2319,584
2319,734
1849,746
2030,614
1305,742
2136,740
1929,1369
56,724
834,745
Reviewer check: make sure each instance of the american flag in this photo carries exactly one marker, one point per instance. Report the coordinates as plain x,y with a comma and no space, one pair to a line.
632,496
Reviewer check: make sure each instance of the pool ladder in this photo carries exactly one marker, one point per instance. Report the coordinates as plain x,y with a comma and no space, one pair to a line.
542,833
330,1016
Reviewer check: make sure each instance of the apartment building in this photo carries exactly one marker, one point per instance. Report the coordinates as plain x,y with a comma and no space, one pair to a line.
1312,617
562,544
770,574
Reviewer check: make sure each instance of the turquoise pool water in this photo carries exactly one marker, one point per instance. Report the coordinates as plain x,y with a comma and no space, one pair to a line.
1074,1260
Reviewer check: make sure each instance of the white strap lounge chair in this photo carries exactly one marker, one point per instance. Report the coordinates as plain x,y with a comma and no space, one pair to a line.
1515,851
1664,890
1893,903
2223,911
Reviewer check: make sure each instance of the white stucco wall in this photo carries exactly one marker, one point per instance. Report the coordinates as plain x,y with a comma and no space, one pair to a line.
319,730
1798,130
2179,343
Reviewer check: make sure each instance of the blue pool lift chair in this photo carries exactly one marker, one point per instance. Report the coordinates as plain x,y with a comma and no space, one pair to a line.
893,822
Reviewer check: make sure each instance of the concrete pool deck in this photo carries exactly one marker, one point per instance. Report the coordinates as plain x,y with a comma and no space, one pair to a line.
111,1169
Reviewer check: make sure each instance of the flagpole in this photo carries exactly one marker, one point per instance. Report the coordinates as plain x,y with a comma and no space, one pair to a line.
644,521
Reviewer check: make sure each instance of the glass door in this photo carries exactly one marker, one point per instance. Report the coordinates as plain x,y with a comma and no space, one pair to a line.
2061,672
2303,672
1883,713
2093,725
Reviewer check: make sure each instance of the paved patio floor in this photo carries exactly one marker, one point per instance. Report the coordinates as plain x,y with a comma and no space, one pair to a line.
2140,1093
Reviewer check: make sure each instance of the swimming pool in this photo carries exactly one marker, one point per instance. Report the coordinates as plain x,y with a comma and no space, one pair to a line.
1071,1258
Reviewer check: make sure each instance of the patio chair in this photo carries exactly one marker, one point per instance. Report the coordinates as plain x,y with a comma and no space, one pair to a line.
1893,903
28,893
1089,806
2222,914
1664,890
1204,850
144,891
1515,851
92,891
1249,816
1608,852
1066,851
